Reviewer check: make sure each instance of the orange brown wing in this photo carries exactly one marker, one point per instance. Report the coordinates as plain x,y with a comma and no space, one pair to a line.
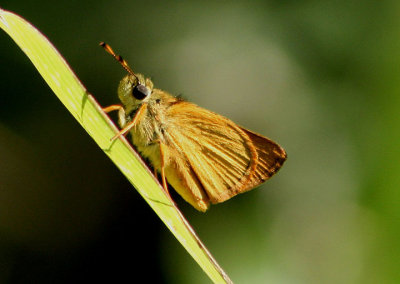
216,156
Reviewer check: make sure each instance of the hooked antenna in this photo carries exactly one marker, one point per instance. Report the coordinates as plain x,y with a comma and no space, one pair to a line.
119,58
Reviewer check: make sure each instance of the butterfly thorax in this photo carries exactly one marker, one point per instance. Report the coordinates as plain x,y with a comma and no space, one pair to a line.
152,124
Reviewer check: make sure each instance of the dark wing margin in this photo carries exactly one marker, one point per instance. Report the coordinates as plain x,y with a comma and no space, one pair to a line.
270,155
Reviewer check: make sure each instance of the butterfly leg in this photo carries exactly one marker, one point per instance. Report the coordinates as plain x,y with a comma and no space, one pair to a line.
162,159
131,124
112,108
155,173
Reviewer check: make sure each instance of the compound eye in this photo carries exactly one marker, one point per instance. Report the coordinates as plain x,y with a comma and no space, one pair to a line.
140,92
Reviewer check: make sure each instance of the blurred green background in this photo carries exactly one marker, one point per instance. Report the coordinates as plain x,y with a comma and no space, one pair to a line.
318,77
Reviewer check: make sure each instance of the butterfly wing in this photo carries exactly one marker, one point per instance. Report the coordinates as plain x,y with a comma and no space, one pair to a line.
211,159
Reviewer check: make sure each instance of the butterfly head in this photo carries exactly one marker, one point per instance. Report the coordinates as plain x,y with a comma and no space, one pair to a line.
134,90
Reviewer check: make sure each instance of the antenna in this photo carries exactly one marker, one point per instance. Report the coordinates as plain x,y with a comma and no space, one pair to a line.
119,58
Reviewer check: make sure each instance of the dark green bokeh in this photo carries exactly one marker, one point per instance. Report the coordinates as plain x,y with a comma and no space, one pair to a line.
319,77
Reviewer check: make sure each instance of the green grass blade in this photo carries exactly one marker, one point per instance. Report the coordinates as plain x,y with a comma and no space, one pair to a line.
58,75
